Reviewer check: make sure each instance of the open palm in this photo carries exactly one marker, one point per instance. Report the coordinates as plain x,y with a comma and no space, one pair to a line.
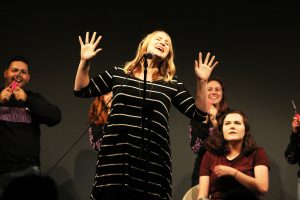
88,49
204,69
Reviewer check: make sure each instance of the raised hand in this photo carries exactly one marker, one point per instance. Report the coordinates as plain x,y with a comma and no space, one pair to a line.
88,49
204,69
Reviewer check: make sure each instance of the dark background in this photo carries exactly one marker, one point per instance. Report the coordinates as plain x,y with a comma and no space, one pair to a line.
256,44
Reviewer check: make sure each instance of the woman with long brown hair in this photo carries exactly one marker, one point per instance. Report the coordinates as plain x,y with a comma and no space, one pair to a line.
234,167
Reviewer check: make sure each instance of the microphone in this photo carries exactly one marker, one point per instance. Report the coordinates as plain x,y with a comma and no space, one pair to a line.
295,110
13,85
148,55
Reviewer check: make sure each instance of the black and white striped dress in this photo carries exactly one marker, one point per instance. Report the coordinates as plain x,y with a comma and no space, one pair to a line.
131,157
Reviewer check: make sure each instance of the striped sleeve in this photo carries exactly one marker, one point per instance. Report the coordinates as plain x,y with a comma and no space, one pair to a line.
98,85
185,103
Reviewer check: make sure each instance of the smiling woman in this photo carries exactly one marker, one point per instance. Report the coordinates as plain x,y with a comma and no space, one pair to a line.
199,131
234,167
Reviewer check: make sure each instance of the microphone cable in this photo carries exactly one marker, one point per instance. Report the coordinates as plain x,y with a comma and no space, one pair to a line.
78,139
145,56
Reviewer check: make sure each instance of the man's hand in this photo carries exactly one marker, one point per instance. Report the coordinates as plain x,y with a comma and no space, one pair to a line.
20,94
5,94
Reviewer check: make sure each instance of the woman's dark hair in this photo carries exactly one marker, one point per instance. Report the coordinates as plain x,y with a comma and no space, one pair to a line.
217,144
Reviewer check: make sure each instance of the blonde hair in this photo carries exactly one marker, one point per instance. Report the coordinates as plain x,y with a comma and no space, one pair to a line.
167,67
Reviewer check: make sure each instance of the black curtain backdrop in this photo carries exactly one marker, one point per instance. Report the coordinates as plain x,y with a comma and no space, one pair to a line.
256,44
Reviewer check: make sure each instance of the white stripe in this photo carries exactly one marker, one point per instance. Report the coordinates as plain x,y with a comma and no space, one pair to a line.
96,86
180,93
189,108
162,115
103,80
108,74
186,100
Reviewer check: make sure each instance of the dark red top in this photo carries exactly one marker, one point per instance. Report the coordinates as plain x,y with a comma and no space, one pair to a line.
227,186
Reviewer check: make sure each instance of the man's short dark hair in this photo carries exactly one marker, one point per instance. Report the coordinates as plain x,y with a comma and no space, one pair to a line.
18,58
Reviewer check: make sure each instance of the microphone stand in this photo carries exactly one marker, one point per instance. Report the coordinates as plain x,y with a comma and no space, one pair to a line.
144,152
144,103
144,106
144,109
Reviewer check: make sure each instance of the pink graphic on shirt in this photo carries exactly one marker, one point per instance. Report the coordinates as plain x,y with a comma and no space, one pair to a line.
15,114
